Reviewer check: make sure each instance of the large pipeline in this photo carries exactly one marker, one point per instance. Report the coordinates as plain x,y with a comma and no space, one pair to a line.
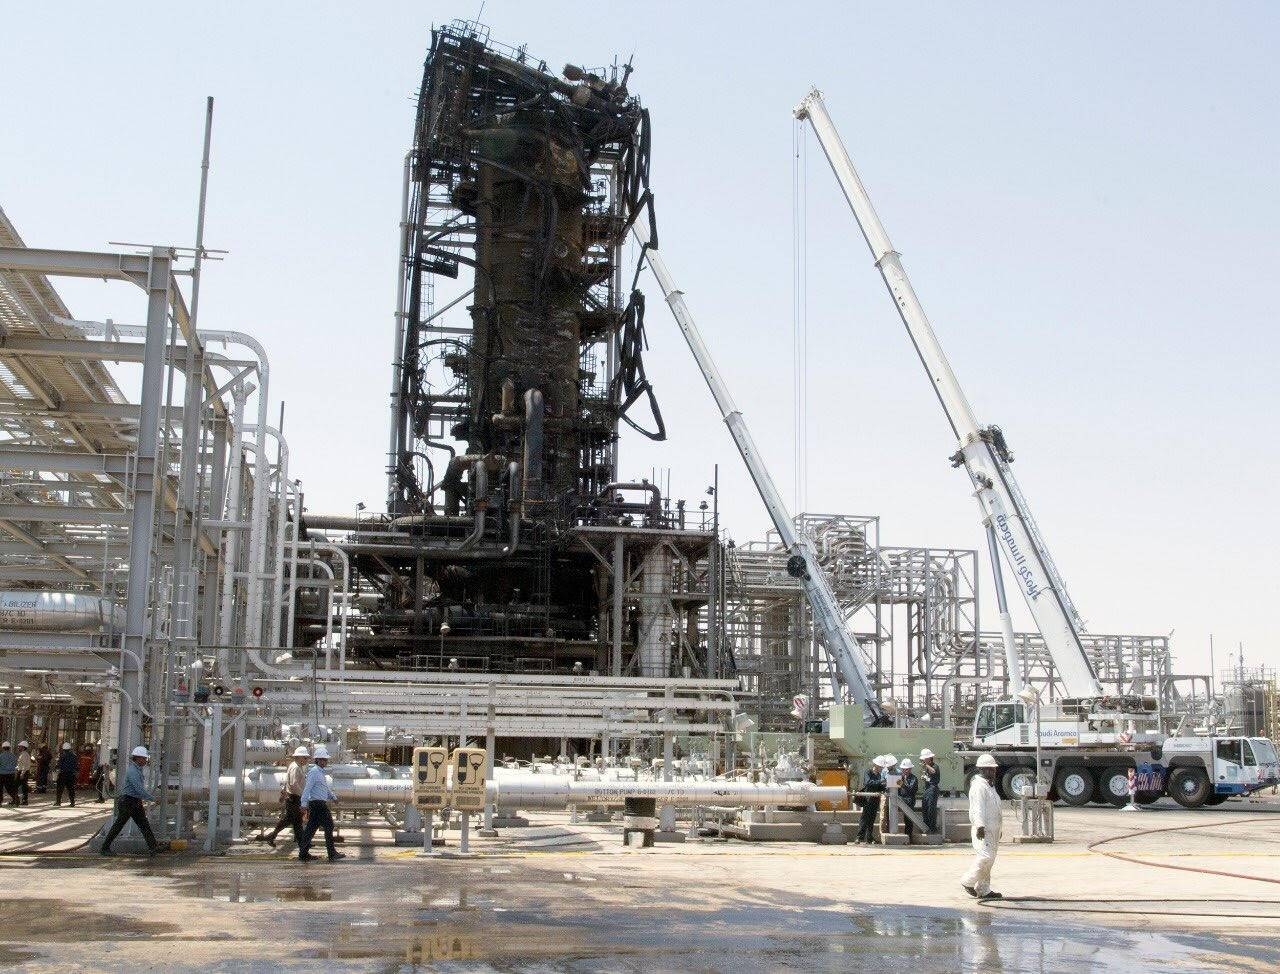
59,612
262,786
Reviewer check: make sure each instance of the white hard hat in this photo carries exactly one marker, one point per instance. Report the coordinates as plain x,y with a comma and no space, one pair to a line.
878,761
6,744
301,752
890,760
987,761
66,745
906,763
23,744
137,752
321,752
925,753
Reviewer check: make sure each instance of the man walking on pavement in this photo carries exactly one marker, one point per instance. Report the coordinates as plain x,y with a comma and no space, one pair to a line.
130,802
8,773
316,795
930,778
68,770
24,771
295,781
984,828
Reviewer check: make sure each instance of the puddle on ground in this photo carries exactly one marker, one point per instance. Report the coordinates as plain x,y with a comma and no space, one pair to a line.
754,939
481,918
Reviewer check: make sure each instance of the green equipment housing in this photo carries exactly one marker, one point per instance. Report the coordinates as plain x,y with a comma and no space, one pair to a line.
860,743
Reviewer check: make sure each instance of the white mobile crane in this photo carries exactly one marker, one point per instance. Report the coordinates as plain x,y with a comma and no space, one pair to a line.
841,644
1087,743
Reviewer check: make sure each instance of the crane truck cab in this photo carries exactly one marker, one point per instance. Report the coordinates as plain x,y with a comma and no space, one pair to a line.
1209,770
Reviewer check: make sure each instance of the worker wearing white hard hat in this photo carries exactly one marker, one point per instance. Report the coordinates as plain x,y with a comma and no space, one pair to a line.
984,829
68,770
872,786
8,773
129,806
316,795
908,789
931,783
291,794
24,771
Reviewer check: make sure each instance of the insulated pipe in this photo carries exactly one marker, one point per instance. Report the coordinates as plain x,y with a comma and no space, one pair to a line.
655,494
231,540
397,361
514,504
282,480
533,445
479,504
262,786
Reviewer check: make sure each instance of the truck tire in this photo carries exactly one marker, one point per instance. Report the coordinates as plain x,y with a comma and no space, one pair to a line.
1016,777
1190,787
1075,784
1113,786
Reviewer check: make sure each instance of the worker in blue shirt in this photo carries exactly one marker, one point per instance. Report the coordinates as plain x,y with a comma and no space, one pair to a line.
131,797
8,773
68,771
316,795
874,782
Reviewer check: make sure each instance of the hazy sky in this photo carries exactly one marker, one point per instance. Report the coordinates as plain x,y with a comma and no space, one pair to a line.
1085,196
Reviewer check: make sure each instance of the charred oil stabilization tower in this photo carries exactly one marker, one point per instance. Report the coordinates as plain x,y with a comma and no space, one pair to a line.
503,455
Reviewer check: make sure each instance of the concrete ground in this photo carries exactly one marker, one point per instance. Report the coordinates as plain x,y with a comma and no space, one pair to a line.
1161,888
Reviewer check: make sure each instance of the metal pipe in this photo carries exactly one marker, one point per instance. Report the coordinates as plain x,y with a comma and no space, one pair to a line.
533,445
397,361
479,504
262,786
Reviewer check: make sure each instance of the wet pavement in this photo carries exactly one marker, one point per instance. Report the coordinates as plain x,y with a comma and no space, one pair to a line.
530,915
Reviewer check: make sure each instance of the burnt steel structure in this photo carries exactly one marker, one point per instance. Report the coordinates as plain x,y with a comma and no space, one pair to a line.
505,413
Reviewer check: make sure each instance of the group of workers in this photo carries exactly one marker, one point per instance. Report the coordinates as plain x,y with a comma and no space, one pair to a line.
984,809
16,772
306,796
885,770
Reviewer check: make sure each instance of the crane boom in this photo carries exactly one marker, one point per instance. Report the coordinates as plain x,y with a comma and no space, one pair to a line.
982,450
802,563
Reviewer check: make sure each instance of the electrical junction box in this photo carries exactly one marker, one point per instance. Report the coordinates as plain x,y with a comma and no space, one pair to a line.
430,778
470,770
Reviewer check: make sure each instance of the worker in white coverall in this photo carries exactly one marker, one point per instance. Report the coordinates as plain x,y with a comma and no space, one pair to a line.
984,829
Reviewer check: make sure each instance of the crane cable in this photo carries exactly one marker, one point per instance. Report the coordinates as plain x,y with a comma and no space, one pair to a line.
799,315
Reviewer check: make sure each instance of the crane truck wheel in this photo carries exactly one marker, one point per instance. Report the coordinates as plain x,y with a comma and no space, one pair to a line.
1075,785
1190,787
1015,779
1113,786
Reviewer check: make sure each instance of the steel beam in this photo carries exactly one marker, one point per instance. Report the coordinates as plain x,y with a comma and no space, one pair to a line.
158,284
62,461
60,513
